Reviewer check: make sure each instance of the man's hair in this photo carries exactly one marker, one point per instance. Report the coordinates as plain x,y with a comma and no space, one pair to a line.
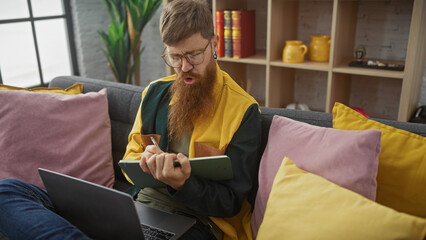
182,18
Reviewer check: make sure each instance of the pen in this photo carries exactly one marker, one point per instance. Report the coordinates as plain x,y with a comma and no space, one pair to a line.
175,163
153,141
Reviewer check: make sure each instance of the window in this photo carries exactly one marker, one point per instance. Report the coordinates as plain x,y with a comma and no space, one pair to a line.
36,42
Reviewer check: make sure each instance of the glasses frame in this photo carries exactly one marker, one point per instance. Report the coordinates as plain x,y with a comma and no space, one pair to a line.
164,55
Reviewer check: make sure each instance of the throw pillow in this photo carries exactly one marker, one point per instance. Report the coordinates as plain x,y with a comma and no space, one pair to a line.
64,133
74,89
401,178
347,158
303,205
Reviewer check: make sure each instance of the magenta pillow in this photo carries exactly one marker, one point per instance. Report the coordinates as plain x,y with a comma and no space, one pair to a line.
347,158
70,134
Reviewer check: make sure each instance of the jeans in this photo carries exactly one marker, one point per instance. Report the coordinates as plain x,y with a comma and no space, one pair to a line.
26,212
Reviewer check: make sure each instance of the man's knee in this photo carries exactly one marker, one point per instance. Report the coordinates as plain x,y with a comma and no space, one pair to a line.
11,182
10,185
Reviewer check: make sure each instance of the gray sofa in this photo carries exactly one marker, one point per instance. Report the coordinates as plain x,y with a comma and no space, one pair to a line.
124,100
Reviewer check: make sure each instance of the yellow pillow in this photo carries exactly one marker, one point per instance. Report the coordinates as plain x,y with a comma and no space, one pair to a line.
303,205
401,177
74,89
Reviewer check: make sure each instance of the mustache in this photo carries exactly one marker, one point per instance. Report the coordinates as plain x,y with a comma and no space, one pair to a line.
183,75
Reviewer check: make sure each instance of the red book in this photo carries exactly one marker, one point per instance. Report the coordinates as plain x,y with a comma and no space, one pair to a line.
243,33
220,33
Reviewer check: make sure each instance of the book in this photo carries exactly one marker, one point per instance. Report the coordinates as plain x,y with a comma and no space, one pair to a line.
214,168
243,33
236,34
219,32
227,16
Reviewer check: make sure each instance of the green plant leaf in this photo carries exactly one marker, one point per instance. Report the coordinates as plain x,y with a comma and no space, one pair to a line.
142,11
118,48
132,69
116,10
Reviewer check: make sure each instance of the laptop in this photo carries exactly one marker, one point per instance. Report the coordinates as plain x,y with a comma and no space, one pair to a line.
105,213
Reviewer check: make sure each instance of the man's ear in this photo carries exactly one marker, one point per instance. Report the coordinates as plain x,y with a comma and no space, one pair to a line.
215,42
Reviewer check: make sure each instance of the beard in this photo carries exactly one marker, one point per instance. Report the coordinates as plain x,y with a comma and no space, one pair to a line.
192,102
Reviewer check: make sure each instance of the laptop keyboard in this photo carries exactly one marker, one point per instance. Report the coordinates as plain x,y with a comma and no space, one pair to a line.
152,233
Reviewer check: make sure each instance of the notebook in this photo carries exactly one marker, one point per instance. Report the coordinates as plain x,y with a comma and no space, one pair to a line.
105,213
212,167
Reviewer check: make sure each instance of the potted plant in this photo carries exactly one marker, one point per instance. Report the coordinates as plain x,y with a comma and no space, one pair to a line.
122,40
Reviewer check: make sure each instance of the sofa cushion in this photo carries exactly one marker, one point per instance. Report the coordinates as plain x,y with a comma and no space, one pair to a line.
401,176
303,205
74,89
65,133
347,158
123,103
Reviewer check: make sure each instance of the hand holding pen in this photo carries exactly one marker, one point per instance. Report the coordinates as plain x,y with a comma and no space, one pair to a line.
169,168
175,163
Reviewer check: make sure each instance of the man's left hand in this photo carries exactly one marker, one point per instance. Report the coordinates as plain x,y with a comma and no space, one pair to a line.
162,168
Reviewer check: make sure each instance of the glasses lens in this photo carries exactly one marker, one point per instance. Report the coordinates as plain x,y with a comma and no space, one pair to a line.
175,60
195,58
172,60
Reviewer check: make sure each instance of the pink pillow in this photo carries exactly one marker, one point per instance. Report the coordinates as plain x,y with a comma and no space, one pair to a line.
70,134
347,158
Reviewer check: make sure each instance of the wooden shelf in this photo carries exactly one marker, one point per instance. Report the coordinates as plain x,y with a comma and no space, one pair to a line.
259,58
369,72
327,82
316,66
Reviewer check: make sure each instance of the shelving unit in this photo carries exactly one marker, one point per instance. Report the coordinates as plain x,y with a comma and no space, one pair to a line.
324,83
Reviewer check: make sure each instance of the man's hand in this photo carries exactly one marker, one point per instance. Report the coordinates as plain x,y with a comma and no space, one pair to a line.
160,165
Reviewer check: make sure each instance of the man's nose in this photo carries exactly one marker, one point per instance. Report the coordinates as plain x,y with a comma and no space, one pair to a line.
186,66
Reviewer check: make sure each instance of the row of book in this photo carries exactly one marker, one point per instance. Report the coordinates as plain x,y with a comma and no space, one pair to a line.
236,30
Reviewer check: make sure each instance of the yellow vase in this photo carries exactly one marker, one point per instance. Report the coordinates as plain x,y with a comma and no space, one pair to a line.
294,51
319,48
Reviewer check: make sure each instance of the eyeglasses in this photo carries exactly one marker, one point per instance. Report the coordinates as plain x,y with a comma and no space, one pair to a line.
175,60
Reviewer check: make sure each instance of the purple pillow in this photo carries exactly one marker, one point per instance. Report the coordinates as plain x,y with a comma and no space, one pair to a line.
347,158
70,134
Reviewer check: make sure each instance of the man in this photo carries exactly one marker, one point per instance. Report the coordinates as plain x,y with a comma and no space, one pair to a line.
200,111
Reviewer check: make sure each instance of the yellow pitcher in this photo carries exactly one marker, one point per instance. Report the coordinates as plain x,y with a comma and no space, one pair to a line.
294,51
319,48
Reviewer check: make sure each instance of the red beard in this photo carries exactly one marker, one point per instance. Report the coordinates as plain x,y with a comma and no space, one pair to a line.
191,101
